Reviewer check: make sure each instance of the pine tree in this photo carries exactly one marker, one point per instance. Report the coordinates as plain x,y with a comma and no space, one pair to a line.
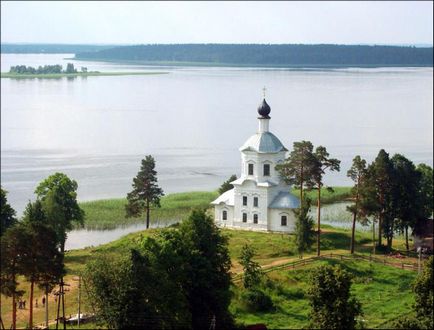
227,184
407,201
323,163
146,192
357,173
298,169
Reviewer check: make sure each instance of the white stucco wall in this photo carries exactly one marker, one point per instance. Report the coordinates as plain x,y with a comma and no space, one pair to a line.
218,215
275,220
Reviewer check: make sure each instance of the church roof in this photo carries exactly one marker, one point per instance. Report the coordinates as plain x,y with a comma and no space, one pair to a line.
285,200
226,198
264,142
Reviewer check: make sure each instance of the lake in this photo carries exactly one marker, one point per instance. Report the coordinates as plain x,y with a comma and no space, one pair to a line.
194,119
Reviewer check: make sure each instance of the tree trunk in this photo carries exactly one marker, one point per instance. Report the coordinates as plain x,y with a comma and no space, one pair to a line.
46,306
301,184
373,236
406,238
32,284
380,224
14,311
353,229
63,305
318,238
147,214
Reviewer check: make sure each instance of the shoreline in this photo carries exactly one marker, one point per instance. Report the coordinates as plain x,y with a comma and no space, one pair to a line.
74,75
109,213
250,65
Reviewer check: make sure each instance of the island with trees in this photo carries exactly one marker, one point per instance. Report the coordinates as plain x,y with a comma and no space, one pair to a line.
56,71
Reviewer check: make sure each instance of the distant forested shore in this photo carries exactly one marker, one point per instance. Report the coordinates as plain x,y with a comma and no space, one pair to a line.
284,55
11,48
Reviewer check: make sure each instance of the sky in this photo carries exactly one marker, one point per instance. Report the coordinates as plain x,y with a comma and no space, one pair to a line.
401,22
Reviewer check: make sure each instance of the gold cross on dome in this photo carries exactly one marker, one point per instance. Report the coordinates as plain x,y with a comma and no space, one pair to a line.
264,90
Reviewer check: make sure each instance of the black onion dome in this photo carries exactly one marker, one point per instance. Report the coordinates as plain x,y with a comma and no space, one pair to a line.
264,109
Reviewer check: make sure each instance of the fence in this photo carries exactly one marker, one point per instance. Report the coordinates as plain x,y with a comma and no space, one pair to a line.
307,261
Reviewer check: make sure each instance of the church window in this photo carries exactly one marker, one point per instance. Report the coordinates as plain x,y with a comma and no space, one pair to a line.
245,200
266,169
250,169
255,201
244,217
255,218
225,215
283,220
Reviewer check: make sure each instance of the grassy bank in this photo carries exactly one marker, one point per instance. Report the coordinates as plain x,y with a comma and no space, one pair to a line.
384,292
74,75
110,213
339,194
272,249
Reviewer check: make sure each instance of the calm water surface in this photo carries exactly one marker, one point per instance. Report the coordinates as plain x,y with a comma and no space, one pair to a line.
193,120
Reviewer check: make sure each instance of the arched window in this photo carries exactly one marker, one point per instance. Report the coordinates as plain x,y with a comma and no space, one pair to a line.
225,215
244,217
283,220
245,200
255,218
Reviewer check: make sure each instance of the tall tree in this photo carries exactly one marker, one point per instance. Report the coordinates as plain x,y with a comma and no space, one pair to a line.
227,184
407,201
13,251
299,167
323,163
58,195
146,192
125,296
7,213
43,264
304,228
382,174
357,173
332,306
208,279
252,270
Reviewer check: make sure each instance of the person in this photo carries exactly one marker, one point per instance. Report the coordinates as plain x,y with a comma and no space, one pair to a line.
24,304
36,303
43,301
20,304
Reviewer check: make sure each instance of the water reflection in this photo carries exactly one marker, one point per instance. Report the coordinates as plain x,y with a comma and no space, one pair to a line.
82,238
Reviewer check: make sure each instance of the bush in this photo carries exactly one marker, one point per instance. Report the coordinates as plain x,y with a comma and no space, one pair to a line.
257,301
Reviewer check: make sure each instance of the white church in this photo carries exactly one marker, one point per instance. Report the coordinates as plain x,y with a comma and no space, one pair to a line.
260,199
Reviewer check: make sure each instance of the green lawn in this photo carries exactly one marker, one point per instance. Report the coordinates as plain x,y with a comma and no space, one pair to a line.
338,195
384,292
110,213
271,248
73,75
